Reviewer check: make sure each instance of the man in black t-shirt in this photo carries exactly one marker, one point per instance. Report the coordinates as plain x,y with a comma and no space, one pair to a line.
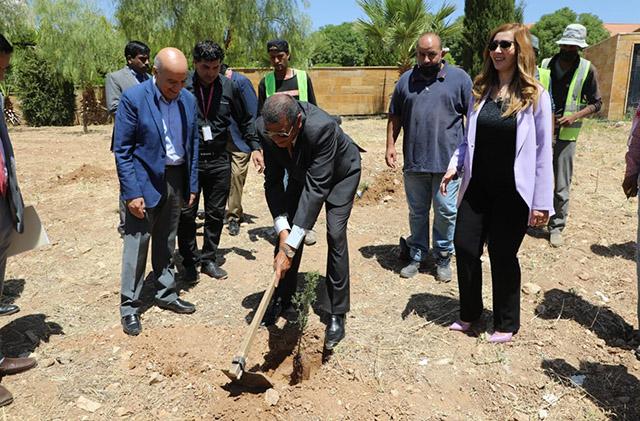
286,80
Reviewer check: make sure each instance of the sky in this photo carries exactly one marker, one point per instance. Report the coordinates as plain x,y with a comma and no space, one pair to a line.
334,12
325,12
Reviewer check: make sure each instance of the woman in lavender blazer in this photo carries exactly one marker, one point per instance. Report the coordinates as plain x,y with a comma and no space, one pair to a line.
505,163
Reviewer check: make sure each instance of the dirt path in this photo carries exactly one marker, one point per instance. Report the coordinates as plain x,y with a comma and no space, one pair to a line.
398,360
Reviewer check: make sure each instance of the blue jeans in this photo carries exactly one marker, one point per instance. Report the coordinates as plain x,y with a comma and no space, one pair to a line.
421,189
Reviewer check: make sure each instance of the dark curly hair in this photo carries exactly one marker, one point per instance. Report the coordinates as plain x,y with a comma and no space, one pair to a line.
208,50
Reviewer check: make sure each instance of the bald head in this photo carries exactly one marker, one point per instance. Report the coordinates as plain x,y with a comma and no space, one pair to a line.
429,40
429,53
170,68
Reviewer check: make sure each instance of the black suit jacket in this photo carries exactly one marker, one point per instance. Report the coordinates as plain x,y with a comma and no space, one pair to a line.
14,197
325,166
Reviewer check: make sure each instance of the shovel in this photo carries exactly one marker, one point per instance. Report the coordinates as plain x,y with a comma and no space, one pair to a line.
237,372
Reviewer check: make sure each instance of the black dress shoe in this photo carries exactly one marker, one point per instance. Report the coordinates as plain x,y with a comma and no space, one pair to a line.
131,324
177,306
334,332
190,274
234,227
7,309
273,312
213,270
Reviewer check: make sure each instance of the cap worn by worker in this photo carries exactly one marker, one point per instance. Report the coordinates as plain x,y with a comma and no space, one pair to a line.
574,34
278,45
535,42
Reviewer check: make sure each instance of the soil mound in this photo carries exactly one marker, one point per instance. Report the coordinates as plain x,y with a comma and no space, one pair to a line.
85,173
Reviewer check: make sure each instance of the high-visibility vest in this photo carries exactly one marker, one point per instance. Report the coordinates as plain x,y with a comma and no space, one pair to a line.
574,101
270,84
544,77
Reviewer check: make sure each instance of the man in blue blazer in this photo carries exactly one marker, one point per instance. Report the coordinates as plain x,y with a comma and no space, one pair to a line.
156,151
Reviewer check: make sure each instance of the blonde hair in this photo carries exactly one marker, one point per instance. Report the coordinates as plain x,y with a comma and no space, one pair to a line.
524,89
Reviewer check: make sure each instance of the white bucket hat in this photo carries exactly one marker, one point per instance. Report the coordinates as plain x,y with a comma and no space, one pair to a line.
574,34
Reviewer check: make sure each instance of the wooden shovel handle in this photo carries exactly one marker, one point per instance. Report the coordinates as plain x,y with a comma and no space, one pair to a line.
257,318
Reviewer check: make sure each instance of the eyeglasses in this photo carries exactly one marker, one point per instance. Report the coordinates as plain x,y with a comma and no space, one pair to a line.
504,45
280,134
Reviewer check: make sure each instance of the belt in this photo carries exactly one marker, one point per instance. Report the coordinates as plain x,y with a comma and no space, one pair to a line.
212,153
170,167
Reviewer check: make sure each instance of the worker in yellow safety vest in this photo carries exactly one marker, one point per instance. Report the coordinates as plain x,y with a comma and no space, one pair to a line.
543,75
286,80
575,93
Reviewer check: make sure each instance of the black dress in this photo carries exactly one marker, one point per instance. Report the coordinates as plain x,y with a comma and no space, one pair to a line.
492,211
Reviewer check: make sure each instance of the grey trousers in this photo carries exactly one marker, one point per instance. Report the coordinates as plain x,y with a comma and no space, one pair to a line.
122,211
161,225
563,153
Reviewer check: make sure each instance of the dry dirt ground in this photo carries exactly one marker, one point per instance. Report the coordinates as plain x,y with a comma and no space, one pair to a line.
572,359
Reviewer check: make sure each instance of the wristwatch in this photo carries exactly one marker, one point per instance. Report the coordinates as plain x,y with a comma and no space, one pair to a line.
288,251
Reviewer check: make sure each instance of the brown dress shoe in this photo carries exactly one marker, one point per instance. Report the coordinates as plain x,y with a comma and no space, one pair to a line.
16,365
5,396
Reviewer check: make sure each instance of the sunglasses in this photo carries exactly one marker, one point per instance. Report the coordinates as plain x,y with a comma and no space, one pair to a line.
282,134
504,45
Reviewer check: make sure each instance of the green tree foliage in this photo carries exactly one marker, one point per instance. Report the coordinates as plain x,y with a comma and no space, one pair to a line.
456,42
550,27
84,45
243,27
392,28
341,45
47,97
79,39
17,25
480,18
16,18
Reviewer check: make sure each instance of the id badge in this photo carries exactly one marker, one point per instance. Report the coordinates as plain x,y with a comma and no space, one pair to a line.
206,133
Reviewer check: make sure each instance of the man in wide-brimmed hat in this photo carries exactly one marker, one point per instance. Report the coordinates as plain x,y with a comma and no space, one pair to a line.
574,87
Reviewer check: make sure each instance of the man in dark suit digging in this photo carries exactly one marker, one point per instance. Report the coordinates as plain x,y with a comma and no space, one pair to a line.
323,166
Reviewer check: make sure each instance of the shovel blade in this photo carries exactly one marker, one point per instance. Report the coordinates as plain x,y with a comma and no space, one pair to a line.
250,379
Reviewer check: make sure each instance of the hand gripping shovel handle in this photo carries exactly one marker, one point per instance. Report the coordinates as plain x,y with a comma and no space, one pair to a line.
238,364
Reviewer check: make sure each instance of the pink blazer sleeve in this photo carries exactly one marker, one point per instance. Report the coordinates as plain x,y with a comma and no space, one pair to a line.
543,189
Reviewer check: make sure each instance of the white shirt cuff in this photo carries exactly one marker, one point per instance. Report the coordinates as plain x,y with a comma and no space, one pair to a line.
296,236
281,223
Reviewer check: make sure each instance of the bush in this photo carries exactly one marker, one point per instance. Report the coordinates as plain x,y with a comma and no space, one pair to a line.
47,98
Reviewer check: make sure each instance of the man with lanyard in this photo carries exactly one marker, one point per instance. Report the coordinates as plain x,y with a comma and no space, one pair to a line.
135,72
575,93
239,151
428,104
286,80
219,100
